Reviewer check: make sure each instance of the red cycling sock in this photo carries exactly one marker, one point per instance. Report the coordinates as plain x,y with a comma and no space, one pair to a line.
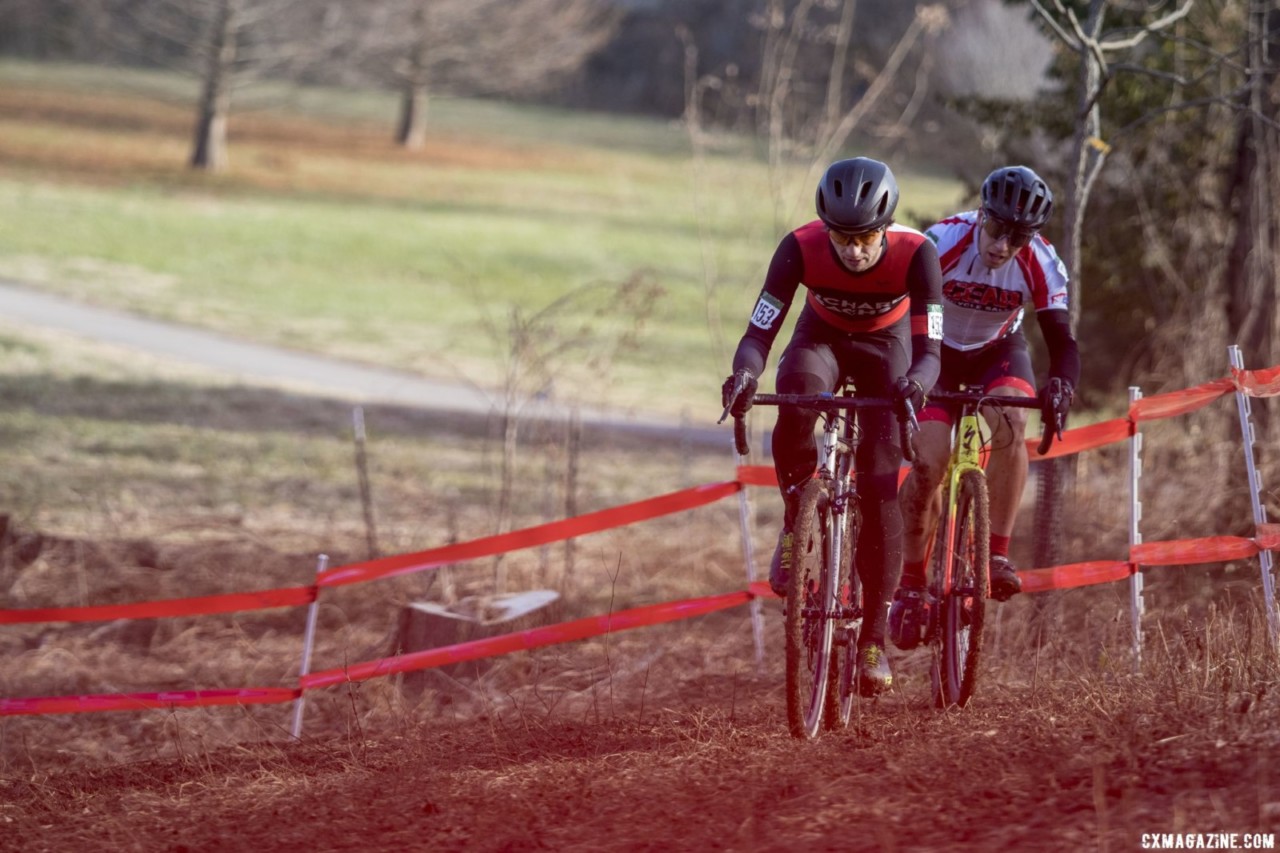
999,545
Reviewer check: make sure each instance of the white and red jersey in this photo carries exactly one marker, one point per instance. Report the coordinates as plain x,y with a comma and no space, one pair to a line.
981,305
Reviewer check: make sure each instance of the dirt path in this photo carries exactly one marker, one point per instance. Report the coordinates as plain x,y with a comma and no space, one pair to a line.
264,365
1023,770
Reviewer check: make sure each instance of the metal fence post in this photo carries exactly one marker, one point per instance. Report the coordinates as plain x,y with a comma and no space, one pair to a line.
308,641
1137,607
1255,497
748,556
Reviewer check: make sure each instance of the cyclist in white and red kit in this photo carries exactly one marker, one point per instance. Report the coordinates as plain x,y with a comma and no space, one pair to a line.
995,265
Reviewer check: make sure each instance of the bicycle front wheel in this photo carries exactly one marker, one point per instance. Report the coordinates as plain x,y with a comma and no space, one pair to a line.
961,579
811,597
851,621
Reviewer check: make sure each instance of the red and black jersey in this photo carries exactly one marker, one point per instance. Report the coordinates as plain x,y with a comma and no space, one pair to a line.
906,279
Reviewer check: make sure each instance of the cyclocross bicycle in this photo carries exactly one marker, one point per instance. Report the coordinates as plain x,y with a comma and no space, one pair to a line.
960,568
824,603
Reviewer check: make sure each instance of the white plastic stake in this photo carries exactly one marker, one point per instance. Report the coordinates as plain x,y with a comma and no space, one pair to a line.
308,641
748,555
1137,607
1255,496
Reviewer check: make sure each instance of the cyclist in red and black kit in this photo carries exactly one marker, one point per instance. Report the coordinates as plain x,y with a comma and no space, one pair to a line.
994,264
872,313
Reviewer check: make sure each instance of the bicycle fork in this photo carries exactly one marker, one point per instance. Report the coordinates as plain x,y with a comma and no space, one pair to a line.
842,501
967,457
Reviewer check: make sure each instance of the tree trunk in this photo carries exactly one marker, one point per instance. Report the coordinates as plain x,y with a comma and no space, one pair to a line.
210,146
1250,267
1089,153
835,80
412,130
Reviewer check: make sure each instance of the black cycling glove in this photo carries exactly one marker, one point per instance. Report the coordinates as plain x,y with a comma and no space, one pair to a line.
746,386
1055,402
907,389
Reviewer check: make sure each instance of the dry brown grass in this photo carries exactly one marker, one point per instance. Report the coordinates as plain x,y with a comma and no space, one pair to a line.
104,139
688,751
661,738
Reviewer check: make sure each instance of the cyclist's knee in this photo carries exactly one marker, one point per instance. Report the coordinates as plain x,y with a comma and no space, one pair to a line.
1006,423
932,451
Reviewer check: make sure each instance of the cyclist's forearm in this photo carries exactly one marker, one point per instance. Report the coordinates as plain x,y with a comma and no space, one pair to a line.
926,361
1064,352
752,355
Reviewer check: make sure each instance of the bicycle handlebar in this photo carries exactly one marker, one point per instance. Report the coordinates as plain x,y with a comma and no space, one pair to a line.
831,403
981,398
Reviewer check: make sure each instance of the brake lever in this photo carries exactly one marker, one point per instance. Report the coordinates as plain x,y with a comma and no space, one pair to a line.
909,426
739,383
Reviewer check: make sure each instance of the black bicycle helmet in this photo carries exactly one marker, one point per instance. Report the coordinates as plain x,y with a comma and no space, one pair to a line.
857,195
1017,195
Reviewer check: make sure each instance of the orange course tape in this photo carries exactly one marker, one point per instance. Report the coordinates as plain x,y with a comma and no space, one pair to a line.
1073,575
529,537
142,701
231,603
533,638
1209,549
1258,383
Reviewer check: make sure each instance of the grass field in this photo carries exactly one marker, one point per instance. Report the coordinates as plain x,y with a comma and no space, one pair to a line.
324,236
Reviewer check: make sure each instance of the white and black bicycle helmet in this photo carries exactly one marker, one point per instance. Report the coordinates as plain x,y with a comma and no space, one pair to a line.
1017,195
857,195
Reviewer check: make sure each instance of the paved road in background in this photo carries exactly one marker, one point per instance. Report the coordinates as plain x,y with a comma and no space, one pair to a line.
256,364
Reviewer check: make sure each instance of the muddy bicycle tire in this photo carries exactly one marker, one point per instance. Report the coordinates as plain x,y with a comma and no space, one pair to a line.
961,593
810,664
847,629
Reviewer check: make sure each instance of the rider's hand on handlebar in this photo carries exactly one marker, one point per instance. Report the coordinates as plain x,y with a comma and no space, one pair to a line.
909,390
745,385
1055,402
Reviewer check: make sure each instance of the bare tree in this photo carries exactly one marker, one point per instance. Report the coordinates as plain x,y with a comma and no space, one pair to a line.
225,43
585,329
839,59
474,47
1098,53
1251,271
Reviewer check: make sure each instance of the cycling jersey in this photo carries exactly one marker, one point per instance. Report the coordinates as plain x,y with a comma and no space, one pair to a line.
983,305
904,281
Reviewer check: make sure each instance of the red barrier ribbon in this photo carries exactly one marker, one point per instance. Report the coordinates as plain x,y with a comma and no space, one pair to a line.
765,475
1258,383
1084,438
1268,537
757,475
1074,575
1179,402
142,701
529,537
534,638
1209,549
230,603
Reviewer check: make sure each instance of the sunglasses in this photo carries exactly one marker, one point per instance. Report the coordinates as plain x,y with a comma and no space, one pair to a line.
997,230
865,240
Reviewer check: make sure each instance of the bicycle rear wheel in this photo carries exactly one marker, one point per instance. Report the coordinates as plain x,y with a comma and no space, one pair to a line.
961,580
811,594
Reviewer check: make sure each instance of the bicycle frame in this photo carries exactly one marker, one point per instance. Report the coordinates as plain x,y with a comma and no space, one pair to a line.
967,442
961,581
966,455
823,605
